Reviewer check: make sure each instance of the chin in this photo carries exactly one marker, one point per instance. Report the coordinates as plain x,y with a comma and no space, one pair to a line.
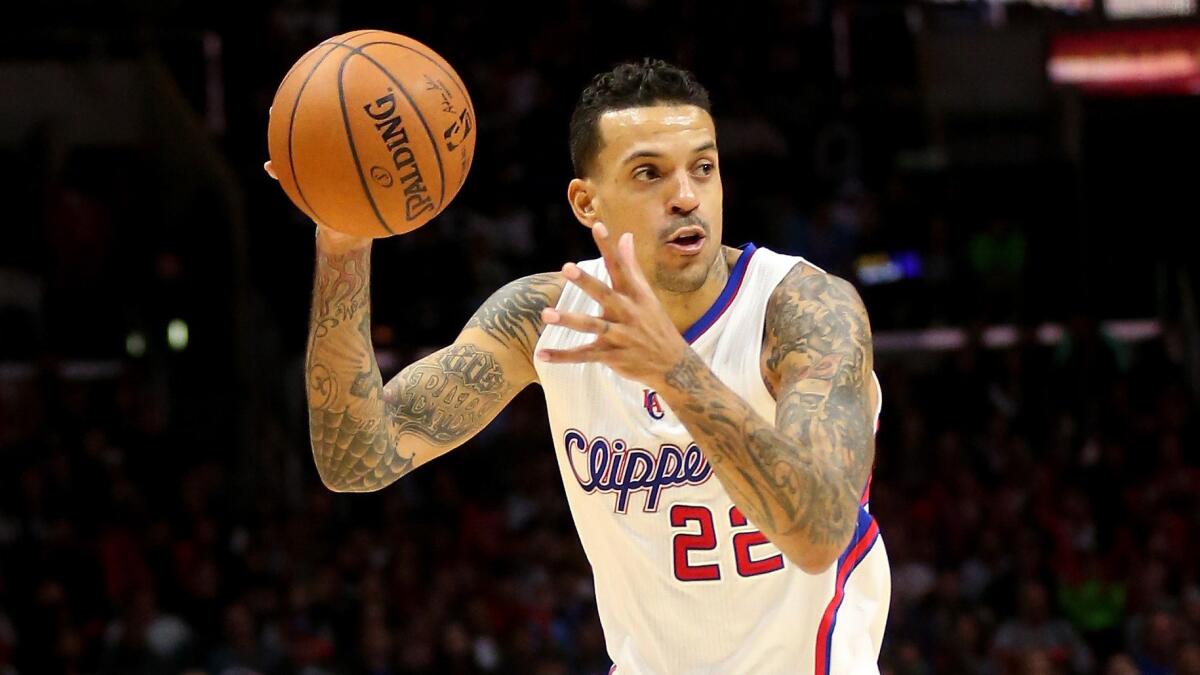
688,278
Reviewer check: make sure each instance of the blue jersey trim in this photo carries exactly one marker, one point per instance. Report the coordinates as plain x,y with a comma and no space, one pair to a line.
732,285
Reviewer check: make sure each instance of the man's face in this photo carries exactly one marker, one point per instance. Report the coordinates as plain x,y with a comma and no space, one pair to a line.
656,176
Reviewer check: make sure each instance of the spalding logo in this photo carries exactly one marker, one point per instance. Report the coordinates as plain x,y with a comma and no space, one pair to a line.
395,137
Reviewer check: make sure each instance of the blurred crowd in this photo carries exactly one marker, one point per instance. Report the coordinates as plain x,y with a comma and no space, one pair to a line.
1037,502
159,511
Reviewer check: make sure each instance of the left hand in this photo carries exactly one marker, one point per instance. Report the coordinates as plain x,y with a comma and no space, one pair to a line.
634,336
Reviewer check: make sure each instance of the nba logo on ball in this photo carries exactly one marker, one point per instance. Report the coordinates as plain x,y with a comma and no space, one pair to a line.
650,402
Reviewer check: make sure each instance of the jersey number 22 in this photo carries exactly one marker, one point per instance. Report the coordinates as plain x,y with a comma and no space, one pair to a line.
683,515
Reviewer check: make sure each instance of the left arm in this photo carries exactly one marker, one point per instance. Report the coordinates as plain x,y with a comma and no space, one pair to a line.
799,479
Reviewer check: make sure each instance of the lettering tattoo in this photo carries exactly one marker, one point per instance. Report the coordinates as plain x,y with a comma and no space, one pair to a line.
447,396
513,314
802,476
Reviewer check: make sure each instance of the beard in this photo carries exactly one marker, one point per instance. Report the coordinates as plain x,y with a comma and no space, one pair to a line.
690,277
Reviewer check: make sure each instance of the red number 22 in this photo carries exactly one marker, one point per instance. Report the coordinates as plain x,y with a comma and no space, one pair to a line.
683,515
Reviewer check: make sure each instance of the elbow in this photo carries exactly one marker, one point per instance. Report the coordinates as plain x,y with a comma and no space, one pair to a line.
332,484
814,559
374,480
343,486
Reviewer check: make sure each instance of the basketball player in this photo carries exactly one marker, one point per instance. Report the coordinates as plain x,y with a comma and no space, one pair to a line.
713,408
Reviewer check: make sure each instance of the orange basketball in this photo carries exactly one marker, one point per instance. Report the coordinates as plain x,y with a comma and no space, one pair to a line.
371,133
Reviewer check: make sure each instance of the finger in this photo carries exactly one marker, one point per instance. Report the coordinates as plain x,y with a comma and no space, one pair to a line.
270,169
625,251
590,353
577,322
597,290
609,252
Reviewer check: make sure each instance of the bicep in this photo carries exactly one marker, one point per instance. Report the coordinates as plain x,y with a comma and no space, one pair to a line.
441,401
819,351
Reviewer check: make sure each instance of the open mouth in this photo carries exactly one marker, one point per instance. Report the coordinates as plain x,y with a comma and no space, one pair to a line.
687,240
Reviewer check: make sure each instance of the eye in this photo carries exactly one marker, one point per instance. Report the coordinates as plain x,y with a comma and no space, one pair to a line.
705,167
645,172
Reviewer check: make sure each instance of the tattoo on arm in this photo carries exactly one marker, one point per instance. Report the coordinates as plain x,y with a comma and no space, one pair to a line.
356,455
820,345
350,444
513,315
448,395
356,424
367,383
802,476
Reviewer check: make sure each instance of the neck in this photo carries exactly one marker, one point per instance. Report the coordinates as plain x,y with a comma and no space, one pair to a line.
686,309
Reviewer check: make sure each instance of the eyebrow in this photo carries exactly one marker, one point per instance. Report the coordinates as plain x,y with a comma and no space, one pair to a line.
637,154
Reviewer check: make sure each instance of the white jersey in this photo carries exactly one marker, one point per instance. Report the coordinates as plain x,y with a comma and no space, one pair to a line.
684,584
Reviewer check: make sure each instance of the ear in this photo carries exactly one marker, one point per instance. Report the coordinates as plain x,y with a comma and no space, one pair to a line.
581,194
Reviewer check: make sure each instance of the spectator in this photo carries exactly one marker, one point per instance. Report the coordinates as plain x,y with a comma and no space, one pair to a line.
1039,641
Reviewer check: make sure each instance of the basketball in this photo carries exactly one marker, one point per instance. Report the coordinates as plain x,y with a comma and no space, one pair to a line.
371,133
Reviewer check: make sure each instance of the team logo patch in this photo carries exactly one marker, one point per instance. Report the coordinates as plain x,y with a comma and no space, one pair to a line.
651,404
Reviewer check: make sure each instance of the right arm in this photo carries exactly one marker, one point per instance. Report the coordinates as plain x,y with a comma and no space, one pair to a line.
365,435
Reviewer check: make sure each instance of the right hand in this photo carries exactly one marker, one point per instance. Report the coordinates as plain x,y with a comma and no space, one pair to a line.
328,239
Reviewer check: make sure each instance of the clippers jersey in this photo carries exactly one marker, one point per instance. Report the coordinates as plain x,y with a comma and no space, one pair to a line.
684,583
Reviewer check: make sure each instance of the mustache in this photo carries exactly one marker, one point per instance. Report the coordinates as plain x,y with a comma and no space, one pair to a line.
683,221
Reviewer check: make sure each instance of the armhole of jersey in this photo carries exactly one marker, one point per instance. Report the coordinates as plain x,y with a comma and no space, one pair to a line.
562,304
878,398
558,305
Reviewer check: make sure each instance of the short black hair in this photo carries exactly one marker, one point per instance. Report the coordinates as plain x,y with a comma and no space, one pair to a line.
633,84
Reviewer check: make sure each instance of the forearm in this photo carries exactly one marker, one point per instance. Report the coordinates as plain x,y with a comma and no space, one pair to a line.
348,425
799,494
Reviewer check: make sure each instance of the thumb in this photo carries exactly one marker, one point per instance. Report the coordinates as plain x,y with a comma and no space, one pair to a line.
270,169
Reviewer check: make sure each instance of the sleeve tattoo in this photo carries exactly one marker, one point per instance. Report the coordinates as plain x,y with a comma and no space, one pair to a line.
800,477
356,423
513,315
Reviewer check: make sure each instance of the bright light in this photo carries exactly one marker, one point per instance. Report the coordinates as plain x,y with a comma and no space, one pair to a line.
177,334
135,344
1142,9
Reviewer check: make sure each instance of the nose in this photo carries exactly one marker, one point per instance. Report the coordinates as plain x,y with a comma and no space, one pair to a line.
684,199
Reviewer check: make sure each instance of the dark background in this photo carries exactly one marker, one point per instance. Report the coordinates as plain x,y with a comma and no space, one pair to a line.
159,510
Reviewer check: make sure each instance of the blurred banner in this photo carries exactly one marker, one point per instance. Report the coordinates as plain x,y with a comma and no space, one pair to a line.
1128,61
1145,9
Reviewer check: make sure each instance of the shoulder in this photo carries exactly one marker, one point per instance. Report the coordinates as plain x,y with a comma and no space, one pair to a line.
513,314
811,310
548,284
807,282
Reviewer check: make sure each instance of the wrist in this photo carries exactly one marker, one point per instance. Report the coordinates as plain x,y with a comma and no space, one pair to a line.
684,377
332,241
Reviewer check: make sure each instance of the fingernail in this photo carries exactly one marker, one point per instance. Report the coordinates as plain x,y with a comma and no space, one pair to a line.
570,271
601,230
543,355
549,315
